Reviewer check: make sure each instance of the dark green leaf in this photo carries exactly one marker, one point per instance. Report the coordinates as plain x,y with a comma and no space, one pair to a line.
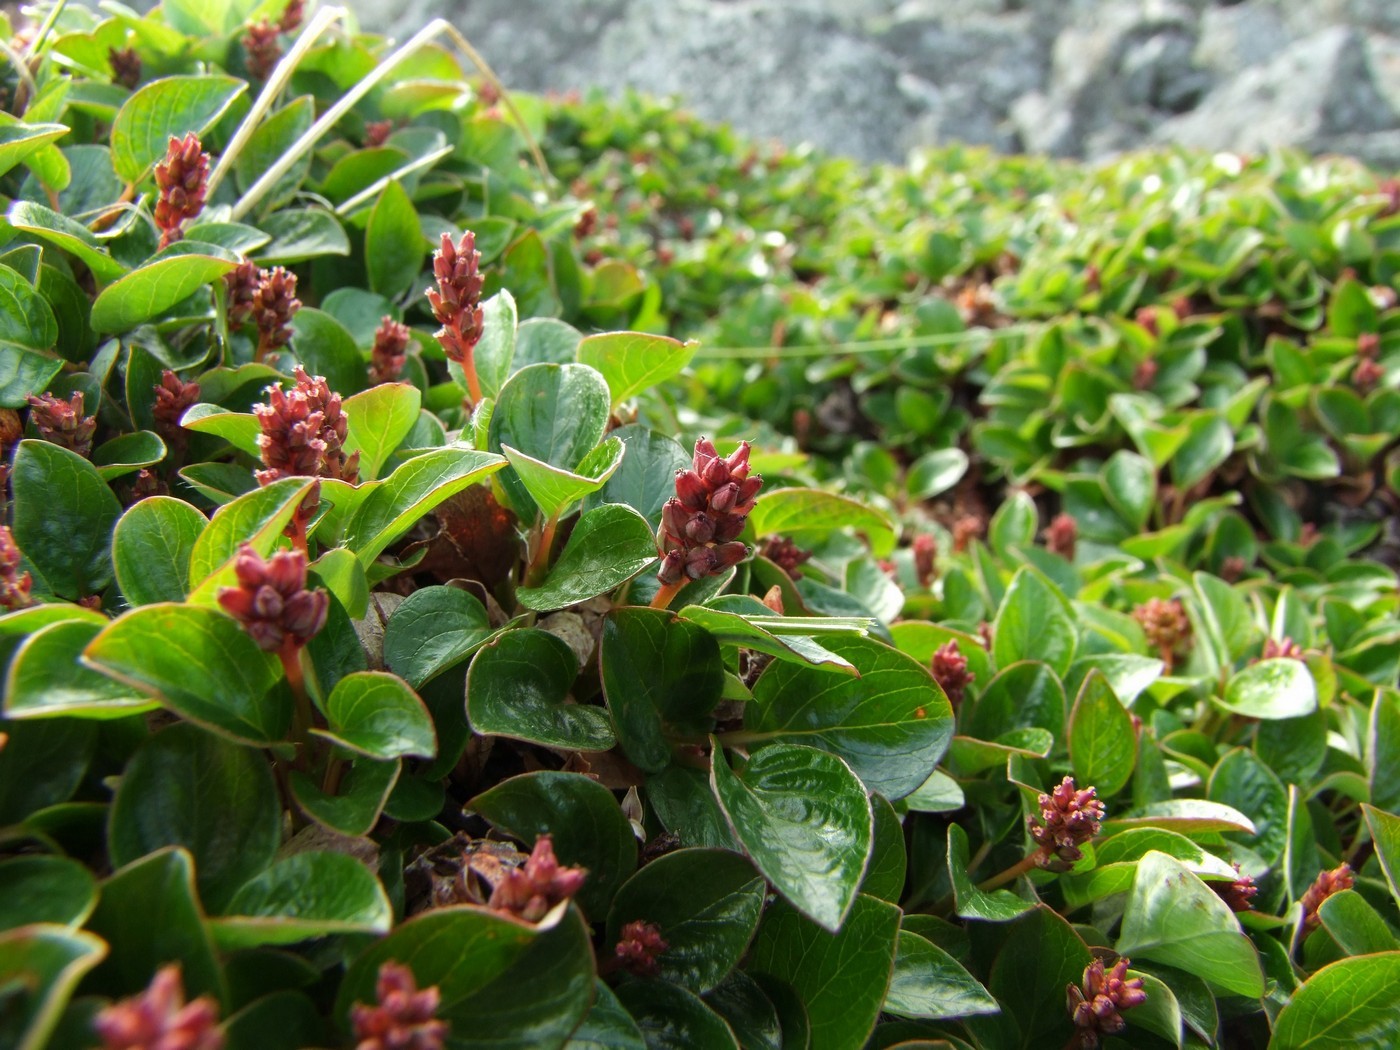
930,983
670,1018
609,545
646,478
971,902
40,966
434,629
151,549
608,1025
1034,622
377,714
1349,1005
1102,744
394,243
38,888
358,800
63,518
302,896
752,1017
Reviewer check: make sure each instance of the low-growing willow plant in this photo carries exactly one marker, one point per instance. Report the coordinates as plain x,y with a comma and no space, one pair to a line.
383,669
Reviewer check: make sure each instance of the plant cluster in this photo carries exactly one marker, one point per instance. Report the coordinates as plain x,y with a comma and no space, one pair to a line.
409,643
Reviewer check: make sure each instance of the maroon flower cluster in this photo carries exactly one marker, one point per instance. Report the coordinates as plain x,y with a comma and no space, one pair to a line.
949,668
1284,648
640,948
1061,535
242,283
386,357
1329,882
292,15
456,303
271,600
160,1019
182,181
1239,894
303,433
528,892
967,528
1069,817
700,525
14,585
173,398
262,48
1166,625
786,555
925,551
403,1018
274,304
63,422
377,132
126,66
1097,1010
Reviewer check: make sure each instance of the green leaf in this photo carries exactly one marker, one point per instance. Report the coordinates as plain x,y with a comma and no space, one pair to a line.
378,420
267,145
359,798
42,764
1189,816
45,678
1102,744
127,453
609,545
67,234
301,896
1240,779
22,373
389,508
171,276
671,1018
1034,622
149,914
890,722
554,489
44,889
518,686
1355,925
705,902
40,966
733,619
18,142
283,1020
63,518
434,629
804,818
1278,688
208,17
646,479
631,362
256,518
1130,486
166,108
239,429
584,820
661,675
934,473
751,1015
299,234
806,515
1383,751
1349,1005
502,984
377,714
1040,956
151,549
929,983
495,351
218,800
1174,918
841,977
26,319
394,242
608,1025
200,664
970,902
684,804
553,413
1385,832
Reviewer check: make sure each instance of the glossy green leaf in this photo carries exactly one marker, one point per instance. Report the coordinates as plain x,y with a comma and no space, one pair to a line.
739,620
805,515
149,914
1034,622
889,861
1279,688
705,902
301,896
891,722
929,983
394,243
166,108
495,351
750,1014
200,664
661,677
1383,751
581,815
671,1018
608,1025
518,686
1189,816
1349,1004
555,489
609,545
192,789
1356,926
434,629
646,478
239,429
268,144
41,965
67,234
1173,917
389,508
805,820
26,319
378,420
151,549
970,902
63,518
1102,743
1040,956
357,801
21,141
23,373
1385,832
256,518
934,473
684,804
172,275
46,679
631,362
841,977
39,888
127,454
502,984
299,234
377,714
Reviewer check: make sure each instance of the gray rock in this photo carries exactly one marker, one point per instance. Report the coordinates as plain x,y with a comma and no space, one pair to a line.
1241,35
1383,53
1316,90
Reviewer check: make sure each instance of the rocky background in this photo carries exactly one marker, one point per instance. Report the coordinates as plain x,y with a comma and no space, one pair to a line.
872,78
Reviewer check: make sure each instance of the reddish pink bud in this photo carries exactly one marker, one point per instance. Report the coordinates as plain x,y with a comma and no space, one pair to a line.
63,422
529,892
1325,885
271,600
949,668
786,555
181,180
640,948
691,490
14,585
387,356
160,1019
126,66
1069,817
925,550
173,397
403,1018
261,48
